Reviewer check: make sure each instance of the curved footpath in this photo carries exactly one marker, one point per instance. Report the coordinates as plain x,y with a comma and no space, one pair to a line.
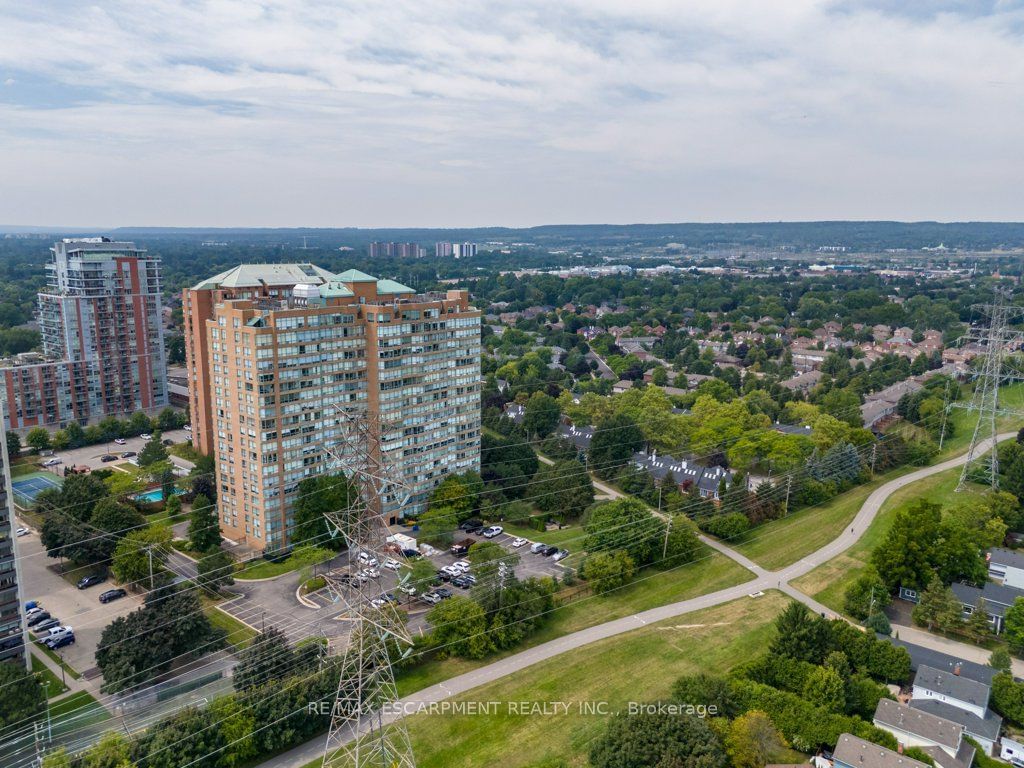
763,580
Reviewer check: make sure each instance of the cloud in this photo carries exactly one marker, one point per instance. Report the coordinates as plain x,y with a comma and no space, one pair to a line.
235,112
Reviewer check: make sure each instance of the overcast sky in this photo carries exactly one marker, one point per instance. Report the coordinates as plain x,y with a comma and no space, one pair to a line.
426,113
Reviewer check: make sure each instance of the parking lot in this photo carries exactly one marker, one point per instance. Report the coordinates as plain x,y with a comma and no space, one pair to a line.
80,609
91,455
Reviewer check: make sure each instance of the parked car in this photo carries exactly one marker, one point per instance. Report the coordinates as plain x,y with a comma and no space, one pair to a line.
53,462
167,441
23,532
129,455
493,531
549,551
411,554
390,597
444,592
58,633
471,526
89,581
431,597
111,595
37,618
392,565
120,441
560,554
378,603
53,643
48,624
462,566
444,575
518,541
367,559
373,573
537,548
461,582
469,577
408,589
107,457
451,571
146,436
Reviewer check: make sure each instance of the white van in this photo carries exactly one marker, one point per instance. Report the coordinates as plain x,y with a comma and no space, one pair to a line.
538,547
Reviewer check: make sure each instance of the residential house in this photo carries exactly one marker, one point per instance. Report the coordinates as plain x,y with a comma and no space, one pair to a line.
687,472
927,657
1011,749
960,699
998,598
941,739
854,752
803,382
1006,566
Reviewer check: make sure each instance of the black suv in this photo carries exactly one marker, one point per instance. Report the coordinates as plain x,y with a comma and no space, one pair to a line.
471,526
549,551
112,594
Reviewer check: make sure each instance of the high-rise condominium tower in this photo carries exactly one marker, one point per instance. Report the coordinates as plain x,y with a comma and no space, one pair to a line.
103,345
276,350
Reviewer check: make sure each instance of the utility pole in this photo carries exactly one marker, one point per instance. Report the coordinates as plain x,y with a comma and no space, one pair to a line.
874,454
945,415
664,546
999,339
789,488
363,732
149,551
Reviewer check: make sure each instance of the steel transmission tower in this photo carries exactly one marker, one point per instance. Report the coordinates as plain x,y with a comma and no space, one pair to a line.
361,733
999,340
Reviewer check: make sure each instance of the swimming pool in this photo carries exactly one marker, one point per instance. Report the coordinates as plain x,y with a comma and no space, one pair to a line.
151,497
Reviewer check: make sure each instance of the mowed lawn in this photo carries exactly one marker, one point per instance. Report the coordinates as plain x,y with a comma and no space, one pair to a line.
828,583
640,666
651,588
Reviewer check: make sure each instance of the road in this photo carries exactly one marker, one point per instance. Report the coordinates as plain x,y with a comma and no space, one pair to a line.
763,580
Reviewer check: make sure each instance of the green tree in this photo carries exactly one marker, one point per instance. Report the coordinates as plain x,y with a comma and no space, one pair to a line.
268,657
825,688
320,499
422,574
866,595
1000,659
800,635
141,553
38,438
937,606
977,624
681,545
173,507
454,494
563,488
153,452
13,445
624,524
23,698
878,622
1013,625
752,740
541,415
656,740
908,551
215,570
459,628
437,525
490,560
203,526
605,571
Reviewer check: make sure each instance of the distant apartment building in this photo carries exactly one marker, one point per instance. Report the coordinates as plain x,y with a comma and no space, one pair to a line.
443,250
463,250
397,250
276,351
12,633
102,339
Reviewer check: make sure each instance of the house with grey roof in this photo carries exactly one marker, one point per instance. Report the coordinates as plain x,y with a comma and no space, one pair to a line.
686,472
854,752
950,688
942,739
998,599
1006,566
984,730
927,657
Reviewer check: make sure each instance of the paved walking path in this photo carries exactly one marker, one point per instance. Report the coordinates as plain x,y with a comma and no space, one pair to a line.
763,580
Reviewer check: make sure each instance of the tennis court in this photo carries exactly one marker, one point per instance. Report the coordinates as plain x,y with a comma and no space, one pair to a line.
27,487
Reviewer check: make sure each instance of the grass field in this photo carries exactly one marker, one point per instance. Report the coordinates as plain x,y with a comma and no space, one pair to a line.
571,536
55,687
828,583
640,666
649,590
779,543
